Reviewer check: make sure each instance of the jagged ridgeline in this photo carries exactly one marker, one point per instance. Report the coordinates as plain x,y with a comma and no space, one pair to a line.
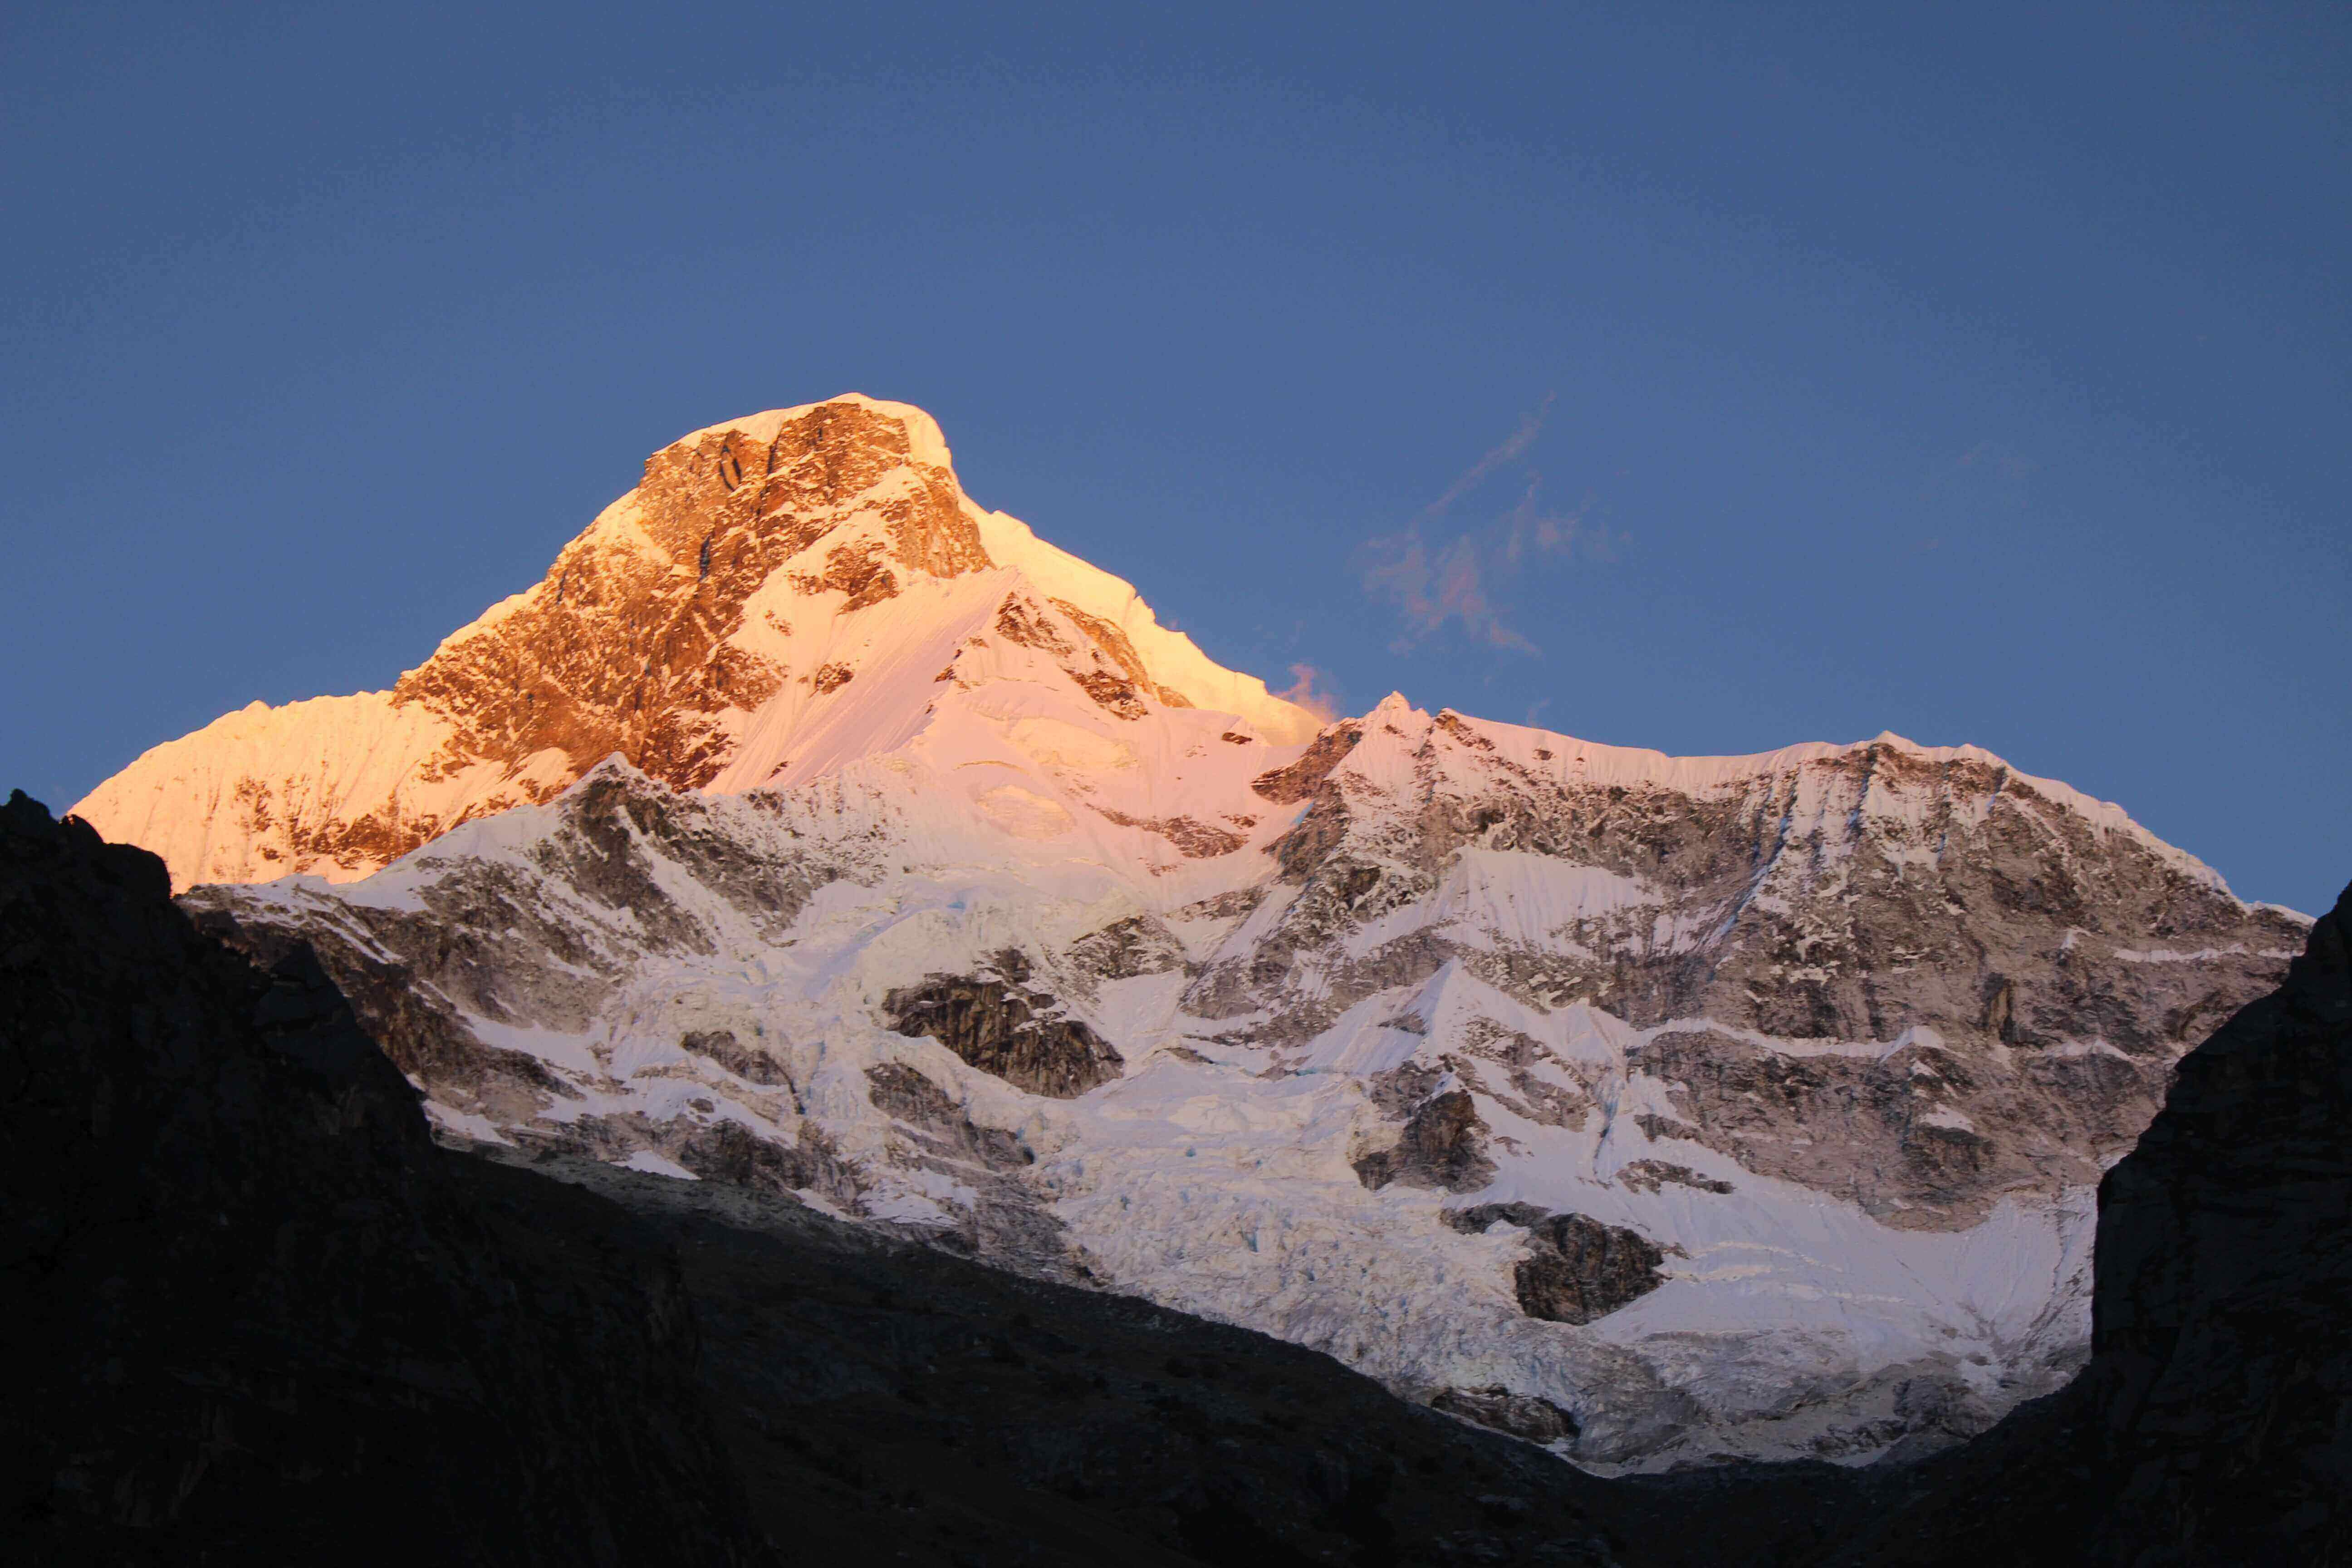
811,828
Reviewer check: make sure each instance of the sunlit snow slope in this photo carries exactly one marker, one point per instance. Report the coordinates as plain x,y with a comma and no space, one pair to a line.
769,602
1659,1109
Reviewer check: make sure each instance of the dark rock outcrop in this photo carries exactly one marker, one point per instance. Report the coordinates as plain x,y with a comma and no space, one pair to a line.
721,1046
1194,840
1289,786
1441,1145
261,1316
997,1023
1537,1420
924,1107
713,1151
1126,949
1576,1269
1649,1175
1579,1270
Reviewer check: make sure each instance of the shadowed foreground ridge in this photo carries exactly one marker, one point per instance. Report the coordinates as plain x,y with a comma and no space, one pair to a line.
278,1323
273,1319
2223,1331
264,1317
2214,1421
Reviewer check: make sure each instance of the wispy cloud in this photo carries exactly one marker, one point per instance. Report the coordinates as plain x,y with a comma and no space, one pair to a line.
1311,688
1432,584
1434,571
1511,447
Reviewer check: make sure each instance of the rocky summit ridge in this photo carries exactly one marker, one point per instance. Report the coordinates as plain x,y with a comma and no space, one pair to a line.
808,828
705,628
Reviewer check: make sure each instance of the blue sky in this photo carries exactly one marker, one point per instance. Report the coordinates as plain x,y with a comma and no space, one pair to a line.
1704,378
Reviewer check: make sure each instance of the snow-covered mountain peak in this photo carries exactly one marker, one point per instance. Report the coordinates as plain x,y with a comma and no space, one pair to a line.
811,827
780,594
925,444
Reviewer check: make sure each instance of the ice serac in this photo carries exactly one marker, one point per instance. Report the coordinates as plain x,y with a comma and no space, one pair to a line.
1663,1109
774,598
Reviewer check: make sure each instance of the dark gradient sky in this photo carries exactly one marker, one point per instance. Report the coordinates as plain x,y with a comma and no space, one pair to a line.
1707,380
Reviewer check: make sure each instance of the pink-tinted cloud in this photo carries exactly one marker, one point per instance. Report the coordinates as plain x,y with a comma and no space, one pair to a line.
1436,570
1432,581
1311,688
1516,442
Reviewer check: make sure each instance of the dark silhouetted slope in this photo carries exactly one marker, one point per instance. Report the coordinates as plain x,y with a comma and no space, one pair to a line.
259,1315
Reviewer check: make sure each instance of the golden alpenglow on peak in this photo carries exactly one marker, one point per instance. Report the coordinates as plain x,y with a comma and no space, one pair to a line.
764,582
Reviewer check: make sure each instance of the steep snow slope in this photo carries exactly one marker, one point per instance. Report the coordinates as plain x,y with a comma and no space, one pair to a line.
1657,1109
761,606
1828,1117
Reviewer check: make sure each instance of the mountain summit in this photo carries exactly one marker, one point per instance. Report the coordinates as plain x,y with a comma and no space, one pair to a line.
860,847
776,596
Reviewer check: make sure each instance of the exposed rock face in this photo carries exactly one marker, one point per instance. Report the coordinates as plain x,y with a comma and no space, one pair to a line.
2212,1424
1289,786
1128,949
1441,1144
630,644
721,1047
902,1092
1651,1175
708,628
711,1148
2021,974
1495,1406
271,1318
999,1026
1576,1269
1581,1269
495,946
1194,840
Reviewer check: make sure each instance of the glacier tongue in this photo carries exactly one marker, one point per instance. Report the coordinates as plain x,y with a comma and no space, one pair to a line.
810,827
